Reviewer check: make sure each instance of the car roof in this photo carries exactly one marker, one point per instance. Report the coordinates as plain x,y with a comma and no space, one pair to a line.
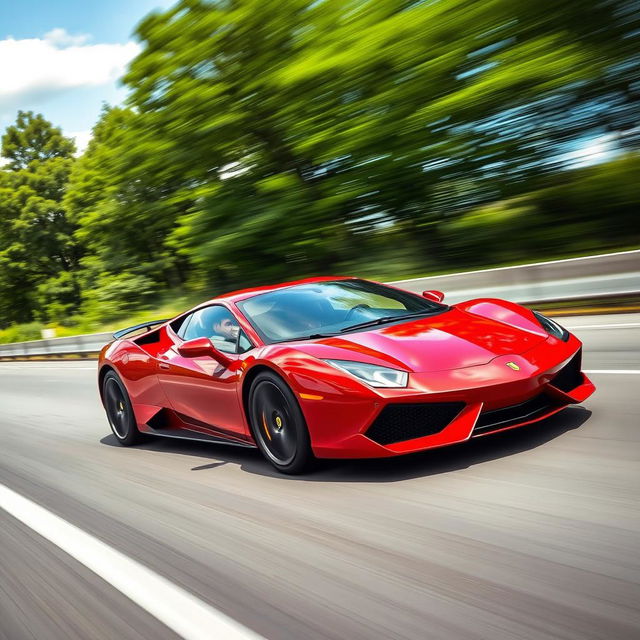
243,294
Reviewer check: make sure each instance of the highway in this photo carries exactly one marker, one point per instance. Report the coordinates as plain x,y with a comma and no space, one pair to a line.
529,534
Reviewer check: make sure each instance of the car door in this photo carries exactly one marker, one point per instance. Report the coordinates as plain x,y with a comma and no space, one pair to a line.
202,391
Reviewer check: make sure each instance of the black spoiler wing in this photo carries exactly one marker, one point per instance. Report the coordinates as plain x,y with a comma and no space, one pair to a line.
143,325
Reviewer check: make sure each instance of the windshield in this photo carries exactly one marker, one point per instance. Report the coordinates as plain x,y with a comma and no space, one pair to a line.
328,308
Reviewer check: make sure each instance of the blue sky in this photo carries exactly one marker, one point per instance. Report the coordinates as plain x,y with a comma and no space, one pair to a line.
62,58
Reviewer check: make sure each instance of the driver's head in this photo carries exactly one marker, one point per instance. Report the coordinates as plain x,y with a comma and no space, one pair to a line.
226,328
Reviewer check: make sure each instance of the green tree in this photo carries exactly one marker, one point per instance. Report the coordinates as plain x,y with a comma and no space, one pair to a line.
36,238
122,210
33,138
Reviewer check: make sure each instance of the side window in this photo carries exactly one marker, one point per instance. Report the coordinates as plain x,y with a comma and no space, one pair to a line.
219,325
181,325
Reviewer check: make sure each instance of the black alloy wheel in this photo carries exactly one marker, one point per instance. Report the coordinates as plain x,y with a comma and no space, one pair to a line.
119,410
278,425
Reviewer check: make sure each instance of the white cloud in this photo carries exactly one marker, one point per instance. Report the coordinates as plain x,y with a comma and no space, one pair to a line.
60,37
34,69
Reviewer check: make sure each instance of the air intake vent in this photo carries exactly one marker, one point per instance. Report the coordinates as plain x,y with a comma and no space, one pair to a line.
398,422
569,377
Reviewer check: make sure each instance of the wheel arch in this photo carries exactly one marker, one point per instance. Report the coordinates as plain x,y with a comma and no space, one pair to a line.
104,369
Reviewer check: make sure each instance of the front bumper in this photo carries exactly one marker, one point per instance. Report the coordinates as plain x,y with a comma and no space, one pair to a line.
469,402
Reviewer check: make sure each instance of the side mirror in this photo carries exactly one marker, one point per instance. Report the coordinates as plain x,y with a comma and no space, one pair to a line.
436,296
202,347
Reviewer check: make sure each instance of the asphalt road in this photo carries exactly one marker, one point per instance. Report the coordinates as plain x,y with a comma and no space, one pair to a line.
533,533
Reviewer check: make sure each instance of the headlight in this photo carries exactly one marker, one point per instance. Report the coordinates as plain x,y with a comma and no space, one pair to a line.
372,374
552,327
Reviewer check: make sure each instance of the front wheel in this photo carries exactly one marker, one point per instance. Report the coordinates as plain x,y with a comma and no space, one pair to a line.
119,410
278,425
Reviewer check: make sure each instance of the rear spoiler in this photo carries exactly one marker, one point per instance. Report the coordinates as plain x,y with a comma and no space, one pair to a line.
144,325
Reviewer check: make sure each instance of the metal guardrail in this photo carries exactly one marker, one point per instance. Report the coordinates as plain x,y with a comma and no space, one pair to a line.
600,276
71,345
592,277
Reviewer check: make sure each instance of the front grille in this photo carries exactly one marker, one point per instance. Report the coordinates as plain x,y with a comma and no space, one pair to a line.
398,422
569,377
507,416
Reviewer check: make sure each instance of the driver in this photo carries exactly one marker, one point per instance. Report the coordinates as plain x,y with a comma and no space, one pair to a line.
227,329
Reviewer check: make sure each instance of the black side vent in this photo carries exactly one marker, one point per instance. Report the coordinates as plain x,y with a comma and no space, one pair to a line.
569,377
160,420
514,414
149,338
398,422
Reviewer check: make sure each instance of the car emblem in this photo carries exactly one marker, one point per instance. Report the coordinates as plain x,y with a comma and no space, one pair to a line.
513,365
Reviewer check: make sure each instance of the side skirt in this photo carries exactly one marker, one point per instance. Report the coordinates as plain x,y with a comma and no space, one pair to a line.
187,434
170,424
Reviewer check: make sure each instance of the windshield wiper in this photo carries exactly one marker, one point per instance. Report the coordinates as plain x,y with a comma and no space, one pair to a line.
313,336
385,319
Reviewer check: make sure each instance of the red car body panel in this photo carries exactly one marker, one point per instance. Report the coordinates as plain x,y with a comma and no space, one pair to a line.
459,356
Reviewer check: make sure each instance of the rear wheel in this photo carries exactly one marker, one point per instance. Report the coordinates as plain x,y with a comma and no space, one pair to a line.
119,410
278,425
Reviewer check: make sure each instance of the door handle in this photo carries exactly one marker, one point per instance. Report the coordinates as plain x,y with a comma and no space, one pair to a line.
164,365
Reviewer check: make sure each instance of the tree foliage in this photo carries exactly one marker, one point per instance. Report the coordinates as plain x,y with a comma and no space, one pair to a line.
311,122
264,140
37,246
34,139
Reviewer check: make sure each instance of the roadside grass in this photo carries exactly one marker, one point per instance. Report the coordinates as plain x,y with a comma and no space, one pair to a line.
173,304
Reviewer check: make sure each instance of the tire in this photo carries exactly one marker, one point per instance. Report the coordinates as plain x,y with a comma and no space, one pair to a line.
279,428
119,410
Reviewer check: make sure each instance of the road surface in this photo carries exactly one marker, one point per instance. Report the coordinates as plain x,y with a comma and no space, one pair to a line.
534,533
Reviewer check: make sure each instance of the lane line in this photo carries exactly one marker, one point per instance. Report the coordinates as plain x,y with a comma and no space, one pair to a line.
519,266
178,609
614,371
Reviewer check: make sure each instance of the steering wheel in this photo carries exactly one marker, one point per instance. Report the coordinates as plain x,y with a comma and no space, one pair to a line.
358,307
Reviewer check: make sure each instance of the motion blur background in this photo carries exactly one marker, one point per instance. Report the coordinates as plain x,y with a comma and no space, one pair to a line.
253,141
264,140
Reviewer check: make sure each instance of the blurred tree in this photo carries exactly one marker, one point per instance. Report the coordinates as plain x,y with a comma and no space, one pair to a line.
36,238
250,204
290,127
589,209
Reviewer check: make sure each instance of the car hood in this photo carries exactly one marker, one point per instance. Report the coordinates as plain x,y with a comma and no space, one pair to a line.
450,340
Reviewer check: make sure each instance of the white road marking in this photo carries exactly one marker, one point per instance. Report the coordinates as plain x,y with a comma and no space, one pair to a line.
178,609
624,325
518,266
614,371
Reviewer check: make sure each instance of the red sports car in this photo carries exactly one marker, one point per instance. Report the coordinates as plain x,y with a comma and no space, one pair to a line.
338,368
